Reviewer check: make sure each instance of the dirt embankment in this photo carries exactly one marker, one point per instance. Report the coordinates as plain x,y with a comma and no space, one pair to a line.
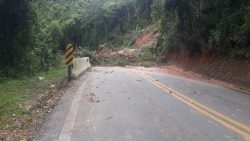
147,38
233,71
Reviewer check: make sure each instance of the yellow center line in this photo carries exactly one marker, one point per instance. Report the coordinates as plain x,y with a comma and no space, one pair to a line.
228,122
206,108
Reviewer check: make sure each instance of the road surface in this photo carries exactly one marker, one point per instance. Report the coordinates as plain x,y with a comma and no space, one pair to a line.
131,104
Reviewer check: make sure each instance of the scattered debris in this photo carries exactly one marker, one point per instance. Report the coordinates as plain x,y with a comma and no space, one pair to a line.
92,94
24,139
93,99
41,78
109,118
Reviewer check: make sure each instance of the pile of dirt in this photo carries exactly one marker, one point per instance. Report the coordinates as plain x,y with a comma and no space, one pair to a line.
147,38
108,52
233,71
218,70
112,57
105,51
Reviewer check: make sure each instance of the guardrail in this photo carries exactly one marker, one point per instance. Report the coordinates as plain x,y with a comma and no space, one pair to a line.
80,66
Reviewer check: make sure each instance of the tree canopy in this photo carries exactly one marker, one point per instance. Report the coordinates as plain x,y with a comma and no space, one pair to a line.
14,36
34,32
219,27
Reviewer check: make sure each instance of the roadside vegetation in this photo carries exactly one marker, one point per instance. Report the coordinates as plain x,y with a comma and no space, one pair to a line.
21,102
220,27
36,32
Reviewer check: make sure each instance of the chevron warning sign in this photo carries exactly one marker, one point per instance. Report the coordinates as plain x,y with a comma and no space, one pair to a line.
69,54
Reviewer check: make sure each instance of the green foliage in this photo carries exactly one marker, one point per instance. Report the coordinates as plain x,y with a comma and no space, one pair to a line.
203,26
33,32
157,10
15,48
143,55
16,95
85,23
121,62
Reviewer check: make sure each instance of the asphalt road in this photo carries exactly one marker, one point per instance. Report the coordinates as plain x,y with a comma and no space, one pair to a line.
127,104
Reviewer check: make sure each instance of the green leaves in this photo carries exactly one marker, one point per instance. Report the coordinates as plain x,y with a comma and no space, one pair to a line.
14,36
34,31
220,27
55,30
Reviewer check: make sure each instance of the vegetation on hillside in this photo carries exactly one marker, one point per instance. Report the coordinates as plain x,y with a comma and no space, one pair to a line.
15,49
34,33
220,27
24,102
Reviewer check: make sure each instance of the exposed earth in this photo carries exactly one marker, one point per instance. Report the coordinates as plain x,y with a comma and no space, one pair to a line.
225,71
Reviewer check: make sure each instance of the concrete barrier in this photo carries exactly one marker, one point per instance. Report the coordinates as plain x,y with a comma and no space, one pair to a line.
80,65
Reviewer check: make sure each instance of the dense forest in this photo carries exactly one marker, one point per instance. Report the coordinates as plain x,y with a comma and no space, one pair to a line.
34,33
220,27
14,37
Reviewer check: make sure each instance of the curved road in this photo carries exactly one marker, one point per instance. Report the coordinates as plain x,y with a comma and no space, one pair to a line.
128,104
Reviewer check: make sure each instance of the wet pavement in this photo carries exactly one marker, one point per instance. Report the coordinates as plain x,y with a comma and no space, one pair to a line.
123,104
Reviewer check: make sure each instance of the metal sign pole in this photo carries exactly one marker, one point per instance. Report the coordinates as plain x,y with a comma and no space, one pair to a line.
69,72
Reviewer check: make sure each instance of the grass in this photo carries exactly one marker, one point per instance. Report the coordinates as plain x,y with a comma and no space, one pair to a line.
15,94
143,55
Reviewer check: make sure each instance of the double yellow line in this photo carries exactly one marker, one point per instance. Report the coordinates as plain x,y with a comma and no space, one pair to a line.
228,122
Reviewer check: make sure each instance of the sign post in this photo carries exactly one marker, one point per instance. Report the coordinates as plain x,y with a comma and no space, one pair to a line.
69,59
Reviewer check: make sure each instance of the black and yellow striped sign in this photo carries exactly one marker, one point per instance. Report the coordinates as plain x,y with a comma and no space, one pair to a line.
69,54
